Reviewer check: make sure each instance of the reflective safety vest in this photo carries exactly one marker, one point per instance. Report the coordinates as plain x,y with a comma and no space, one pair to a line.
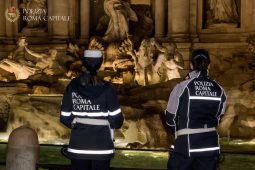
194,110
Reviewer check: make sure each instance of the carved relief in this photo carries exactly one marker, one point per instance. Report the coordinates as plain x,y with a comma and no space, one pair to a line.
117,20
120,13
23,62
34,14
149,70
222,12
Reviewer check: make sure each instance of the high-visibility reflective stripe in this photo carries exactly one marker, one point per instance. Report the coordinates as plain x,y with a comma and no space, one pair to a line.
100,152
204,98
90,114
114,112
89,121
166,112
188,131
66,113
204,149
97,114
169,124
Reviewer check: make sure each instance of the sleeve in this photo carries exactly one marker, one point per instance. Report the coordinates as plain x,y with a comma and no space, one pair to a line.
222,106
66,116
115,115
173,106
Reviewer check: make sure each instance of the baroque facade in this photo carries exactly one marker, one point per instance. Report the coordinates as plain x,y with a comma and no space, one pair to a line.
178,20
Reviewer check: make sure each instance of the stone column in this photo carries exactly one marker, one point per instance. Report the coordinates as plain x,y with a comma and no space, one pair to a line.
160,8
194,20
58,29
84,19
73,18
178,19
2,19
11,29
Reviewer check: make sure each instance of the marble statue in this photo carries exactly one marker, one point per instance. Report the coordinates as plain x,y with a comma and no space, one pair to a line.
24,62
73,49
17,62
147,71
19,54
72,59
222,11
120,13
35,12
46,62
20,71
94,44
169,61
143,61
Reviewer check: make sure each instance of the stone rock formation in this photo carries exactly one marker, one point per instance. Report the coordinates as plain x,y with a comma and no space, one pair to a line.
40,114
237,77
4,113
139,107
144,116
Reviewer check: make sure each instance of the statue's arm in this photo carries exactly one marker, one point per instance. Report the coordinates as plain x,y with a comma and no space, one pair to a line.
160,47
37,55
157,45
178,58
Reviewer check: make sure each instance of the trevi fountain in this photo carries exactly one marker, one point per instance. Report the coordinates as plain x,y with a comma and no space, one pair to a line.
146,46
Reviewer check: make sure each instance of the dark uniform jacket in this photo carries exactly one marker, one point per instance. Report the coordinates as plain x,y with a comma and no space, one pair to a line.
92,112
194,109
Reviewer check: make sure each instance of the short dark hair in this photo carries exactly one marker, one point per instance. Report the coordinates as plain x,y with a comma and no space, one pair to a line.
200,59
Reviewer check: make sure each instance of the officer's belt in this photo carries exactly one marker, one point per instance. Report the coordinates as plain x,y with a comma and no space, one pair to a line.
98,122
194,131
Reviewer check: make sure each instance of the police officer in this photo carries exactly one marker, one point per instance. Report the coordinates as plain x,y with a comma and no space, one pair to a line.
195,108
90,107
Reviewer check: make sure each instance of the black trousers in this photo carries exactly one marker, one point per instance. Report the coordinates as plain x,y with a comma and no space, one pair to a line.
182,162
83,164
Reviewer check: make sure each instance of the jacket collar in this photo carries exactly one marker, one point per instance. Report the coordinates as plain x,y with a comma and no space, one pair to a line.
196,74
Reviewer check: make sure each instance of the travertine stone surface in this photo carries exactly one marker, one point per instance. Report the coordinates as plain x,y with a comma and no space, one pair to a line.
160,17
178,19
84,18
2,18
22,149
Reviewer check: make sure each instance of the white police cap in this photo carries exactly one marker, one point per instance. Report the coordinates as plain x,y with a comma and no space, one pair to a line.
93,54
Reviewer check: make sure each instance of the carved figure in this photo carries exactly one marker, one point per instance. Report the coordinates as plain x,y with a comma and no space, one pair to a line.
73,50
222,11
17,62
20,71
147,71
169,61
95,45
143,61
35,13
47,62
120,13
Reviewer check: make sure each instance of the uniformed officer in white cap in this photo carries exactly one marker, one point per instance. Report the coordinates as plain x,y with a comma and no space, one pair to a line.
90,108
